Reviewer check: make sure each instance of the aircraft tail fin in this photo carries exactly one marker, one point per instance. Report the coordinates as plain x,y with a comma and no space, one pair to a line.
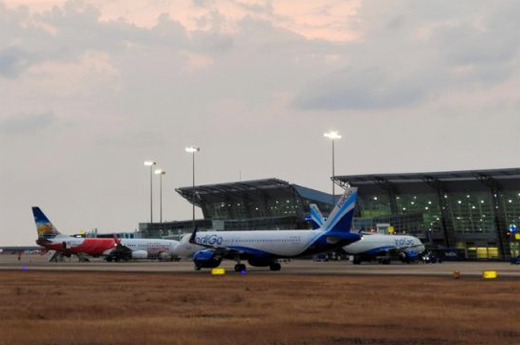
316,216
340,219
193,236
44,226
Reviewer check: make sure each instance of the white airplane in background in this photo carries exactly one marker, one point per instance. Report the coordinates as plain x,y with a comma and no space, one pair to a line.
112,249
263,248
371,246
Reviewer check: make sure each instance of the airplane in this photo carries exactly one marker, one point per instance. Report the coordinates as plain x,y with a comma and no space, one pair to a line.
371,246
112,249
263,248
407,248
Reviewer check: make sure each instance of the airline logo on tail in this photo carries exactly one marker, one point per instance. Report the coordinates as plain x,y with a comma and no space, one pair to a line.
340,219
44,226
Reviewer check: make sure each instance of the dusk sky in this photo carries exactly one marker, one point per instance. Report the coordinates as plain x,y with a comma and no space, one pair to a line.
89,90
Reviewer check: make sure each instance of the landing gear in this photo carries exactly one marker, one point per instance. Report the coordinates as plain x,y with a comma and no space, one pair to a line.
356,260
275,266
240,267
197,268
385,261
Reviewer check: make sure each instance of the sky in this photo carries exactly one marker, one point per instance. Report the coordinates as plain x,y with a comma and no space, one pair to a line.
89,90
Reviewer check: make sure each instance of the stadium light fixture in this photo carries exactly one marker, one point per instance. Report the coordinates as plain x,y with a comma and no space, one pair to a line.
192,149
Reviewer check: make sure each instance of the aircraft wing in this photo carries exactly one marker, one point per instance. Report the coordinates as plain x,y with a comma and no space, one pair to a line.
120,250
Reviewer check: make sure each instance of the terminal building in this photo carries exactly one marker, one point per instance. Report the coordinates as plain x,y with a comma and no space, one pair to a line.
470,212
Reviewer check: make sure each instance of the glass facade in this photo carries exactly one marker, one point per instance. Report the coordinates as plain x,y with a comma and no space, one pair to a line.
471,212
427,205
258,204
466,210
510,203
374,205
243,208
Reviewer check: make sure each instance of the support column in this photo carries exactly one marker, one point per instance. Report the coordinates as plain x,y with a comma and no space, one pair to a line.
447,225
498,215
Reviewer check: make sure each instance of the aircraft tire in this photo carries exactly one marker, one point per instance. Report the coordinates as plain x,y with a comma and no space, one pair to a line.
240,267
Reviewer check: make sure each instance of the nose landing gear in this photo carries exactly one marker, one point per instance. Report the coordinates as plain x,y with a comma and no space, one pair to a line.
240,267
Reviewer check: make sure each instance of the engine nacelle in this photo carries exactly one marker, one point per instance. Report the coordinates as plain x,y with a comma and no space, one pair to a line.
139,254
206,258
409,255
258,262
165,256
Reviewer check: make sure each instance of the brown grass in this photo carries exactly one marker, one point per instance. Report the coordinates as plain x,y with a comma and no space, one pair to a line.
139,308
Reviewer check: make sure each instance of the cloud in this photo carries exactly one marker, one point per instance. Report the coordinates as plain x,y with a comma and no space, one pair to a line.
28,123
412,54
351,88
13,61
201,3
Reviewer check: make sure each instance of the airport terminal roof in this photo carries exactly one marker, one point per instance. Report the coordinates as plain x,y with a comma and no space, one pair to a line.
198,193
441,176
477,178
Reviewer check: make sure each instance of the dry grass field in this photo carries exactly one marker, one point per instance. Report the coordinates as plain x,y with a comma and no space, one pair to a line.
144,308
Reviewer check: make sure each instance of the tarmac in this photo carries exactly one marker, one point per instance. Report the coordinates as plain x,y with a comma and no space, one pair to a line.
38,262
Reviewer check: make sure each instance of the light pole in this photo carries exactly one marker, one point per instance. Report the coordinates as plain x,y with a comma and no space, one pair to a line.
332,135
192,149
150,164
160,172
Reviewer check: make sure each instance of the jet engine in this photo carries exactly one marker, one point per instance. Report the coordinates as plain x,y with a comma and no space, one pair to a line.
409,255
139,254
163,256
206,258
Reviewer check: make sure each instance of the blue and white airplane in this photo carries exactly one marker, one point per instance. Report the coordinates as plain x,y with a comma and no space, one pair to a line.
372,246
263,248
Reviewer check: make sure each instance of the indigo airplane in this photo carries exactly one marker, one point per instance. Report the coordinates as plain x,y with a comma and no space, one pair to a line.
377,246
263,248
112,249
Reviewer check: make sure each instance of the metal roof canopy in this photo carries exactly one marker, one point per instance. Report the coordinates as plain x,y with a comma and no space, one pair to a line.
198,193
467,178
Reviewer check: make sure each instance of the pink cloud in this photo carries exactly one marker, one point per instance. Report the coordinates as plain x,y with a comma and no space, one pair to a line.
315,19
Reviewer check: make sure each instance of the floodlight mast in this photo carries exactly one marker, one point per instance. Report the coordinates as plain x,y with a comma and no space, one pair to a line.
333,135
192,149
150,163
160,172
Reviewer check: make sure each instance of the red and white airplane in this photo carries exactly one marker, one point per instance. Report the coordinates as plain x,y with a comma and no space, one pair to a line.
112,249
